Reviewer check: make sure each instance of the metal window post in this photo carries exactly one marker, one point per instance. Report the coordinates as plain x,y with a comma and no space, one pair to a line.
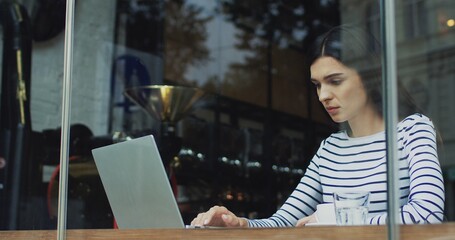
66,113
390,99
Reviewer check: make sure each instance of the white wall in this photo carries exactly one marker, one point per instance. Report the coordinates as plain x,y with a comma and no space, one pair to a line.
93,51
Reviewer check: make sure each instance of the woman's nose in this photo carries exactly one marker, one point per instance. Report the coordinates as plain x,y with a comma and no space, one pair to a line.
325,93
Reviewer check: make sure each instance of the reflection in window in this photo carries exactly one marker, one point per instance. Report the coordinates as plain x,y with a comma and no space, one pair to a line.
373,23
415,18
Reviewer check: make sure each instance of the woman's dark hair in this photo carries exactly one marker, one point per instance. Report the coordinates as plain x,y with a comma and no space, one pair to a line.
358,49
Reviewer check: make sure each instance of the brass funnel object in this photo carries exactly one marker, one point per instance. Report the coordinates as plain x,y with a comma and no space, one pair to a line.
168,104
165,103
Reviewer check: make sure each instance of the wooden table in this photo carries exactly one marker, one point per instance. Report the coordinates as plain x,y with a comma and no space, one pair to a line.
444,231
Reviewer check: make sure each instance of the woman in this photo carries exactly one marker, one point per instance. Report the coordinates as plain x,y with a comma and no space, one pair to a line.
354,159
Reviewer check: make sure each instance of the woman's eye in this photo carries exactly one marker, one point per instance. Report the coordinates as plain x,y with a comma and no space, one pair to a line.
317,85
335,81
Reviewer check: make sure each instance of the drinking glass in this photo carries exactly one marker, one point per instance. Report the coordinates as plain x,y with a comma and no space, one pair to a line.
351,208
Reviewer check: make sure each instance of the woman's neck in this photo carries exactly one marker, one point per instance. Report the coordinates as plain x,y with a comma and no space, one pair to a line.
366,124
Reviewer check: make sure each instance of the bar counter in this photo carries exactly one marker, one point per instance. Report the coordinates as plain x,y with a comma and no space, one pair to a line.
443,231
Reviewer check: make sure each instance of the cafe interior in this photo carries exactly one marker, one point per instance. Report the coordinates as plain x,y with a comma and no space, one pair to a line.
222,85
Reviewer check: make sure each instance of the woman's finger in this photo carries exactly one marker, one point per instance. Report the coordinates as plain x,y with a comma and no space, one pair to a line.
302,222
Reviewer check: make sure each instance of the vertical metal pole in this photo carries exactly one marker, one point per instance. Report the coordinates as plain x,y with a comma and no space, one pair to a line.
390,97
66,110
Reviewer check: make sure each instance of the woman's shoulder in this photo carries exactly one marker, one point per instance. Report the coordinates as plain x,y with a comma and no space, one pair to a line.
340,138
416,119
340,135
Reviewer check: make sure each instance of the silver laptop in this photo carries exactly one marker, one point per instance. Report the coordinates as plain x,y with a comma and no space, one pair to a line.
137,185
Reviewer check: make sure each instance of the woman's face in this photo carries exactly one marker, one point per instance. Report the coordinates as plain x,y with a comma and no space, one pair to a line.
340,89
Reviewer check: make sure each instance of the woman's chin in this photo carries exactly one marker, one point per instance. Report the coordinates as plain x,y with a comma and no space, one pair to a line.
337,119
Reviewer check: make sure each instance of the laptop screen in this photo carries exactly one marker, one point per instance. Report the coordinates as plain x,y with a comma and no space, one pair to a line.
137,185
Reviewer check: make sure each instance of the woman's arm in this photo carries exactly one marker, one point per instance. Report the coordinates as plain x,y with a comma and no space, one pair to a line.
301,203
425,203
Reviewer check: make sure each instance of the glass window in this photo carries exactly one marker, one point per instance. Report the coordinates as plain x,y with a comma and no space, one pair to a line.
423,72
253,110
32,67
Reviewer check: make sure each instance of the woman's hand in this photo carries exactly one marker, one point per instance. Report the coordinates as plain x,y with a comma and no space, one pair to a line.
219,217
305,220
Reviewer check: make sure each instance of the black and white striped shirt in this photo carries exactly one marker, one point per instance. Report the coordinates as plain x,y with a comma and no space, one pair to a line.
345,164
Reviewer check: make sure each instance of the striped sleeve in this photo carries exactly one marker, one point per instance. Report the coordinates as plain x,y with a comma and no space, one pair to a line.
425,203
301,203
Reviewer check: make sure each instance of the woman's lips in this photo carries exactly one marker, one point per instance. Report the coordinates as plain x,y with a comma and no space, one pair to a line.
332,110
